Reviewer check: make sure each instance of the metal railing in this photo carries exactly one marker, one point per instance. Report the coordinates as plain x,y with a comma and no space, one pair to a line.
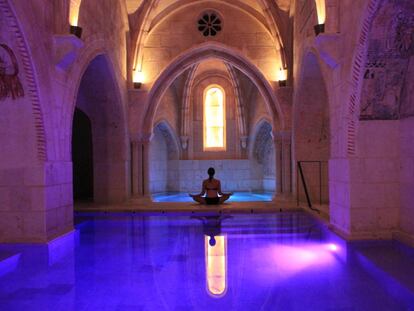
300,174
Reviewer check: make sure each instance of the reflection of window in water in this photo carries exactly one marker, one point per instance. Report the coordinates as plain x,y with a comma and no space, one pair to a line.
216,265
215,250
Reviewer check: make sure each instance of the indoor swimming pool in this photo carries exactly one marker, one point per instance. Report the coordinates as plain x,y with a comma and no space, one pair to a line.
236,197
284,261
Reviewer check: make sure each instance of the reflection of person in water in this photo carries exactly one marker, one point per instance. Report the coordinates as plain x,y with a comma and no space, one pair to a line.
211,226
211,191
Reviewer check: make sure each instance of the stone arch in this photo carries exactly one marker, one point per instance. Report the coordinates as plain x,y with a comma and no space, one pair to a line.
352,107
32,90
270,24
311,127
262,123
262,157
164,153
241,120
86,56
171,138
98,96
205,51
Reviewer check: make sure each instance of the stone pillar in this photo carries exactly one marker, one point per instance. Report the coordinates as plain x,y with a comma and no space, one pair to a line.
287,163
278,163
145,167
283,159
140,165
135,166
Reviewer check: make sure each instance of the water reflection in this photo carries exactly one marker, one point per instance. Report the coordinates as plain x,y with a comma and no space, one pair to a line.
215,253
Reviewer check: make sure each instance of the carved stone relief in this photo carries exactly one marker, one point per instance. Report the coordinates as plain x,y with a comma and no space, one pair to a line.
10,85
391,49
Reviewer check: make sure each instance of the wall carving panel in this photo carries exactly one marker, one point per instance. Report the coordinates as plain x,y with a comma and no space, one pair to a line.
10,85
390,52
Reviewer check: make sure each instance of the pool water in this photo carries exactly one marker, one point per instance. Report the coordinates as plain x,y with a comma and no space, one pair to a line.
236,197
280,261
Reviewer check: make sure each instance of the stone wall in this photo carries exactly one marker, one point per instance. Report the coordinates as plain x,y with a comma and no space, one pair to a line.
233,174
159,163
178,33
407,176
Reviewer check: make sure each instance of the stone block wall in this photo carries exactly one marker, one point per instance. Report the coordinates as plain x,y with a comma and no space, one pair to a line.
158,164
375,180
407,176
36,203
233,174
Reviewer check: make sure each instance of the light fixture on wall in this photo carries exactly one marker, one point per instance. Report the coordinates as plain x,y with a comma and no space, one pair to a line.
76,30
282,77
320,28
321,12
73,18
138,79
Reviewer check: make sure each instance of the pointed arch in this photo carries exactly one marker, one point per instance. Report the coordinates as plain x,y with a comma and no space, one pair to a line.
202,52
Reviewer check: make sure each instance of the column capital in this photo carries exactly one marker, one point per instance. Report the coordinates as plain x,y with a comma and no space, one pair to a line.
184,142
243,141
142,138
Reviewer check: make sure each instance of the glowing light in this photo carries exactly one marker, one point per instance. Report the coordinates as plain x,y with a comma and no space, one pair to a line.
282,75
332,247
321,11
214,118
280,262
138,76
216,266
74,12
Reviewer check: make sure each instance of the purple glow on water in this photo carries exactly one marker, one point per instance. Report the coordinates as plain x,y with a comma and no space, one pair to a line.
279,262
131,262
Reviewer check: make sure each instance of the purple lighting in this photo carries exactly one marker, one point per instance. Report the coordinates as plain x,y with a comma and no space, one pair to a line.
280,262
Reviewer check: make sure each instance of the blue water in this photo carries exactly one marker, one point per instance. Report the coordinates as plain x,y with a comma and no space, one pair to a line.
236,197
131,262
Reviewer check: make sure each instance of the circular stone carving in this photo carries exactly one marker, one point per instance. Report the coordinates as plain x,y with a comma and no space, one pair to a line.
209,24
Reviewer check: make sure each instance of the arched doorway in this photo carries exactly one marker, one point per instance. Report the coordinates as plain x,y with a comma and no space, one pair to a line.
312,132
98,100
82,157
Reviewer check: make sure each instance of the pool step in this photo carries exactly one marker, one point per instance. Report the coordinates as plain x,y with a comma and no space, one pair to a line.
8,262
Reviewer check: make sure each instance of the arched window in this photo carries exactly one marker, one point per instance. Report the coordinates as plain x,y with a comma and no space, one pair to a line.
214,118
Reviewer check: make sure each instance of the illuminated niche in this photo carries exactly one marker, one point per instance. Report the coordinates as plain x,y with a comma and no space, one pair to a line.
216,266
214,118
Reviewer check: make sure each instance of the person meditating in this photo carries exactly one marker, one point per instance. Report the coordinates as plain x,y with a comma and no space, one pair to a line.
211,191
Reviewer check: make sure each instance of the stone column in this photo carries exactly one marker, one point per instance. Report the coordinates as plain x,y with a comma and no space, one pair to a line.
283,162
136,164
287,163
145,145
278,163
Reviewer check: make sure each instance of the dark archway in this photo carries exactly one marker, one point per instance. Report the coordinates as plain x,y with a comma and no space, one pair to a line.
82,157
98,97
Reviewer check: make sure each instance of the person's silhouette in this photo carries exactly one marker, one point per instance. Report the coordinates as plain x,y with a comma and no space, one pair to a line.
211,191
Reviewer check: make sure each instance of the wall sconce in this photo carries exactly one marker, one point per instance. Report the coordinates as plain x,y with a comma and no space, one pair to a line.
321,12
76,30
138,79
320,28
282,77
73,18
